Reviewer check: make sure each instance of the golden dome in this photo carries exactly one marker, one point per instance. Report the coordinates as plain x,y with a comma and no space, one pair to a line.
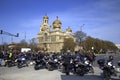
69,29
45,17
57,23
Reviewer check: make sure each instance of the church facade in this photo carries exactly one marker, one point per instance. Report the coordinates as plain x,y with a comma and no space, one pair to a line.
51,38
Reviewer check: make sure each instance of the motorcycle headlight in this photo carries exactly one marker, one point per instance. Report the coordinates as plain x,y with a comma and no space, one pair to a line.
90,64
86,62
76,65
113,66
109,64
23,58
55,60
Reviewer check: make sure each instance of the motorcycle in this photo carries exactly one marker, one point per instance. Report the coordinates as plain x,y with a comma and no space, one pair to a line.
84,67
39,64
21,62
88,65
107,67
52,64
119,67
9,63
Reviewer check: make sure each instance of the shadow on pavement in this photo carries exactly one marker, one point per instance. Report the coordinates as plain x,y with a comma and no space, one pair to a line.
86,77
76,77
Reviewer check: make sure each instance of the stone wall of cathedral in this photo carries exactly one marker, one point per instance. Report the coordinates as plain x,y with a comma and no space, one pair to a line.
52,39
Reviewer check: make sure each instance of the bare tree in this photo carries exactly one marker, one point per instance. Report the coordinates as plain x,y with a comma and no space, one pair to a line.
80,36
23,43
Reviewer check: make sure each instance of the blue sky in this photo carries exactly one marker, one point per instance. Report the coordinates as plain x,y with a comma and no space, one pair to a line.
101,17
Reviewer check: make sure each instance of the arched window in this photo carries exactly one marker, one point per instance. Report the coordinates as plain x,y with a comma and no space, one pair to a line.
46,37
45,21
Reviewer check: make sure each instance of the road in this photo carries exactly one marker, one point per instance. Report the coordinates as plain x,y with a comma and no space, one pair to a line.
28,73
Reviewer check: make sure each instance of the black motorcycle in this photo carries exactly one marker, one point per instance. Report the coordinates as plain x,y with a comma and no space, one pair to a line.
9,63
52,64
119,67
107,67
39,64
84,67
88,65
80,68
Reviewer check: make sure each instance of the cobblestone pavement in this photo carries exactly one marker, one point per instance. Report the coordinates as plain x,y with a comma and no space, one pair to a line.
28,73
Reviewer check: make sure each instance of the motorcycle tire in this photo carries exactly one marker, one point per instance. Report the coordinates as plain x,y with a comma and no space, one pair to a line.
106,75
50,68
67,73
63,69
19,65
9,64
91,70
80,72
36,67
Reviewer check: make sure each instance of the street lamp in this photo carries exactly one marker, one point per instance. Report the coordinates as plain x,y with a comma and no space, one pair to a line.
81,32
81,27
81,47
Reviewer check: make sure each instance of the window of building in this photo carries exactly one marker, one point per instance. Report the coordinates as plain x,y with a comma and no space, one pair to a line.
53,38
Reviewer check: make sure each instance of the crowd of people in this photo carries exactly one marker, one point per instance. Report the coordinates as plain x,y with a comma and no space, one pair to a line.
31,56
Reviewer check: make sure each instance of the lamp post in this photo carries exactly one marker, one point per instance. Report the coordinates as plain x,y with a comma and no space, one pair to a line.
81,27
81,36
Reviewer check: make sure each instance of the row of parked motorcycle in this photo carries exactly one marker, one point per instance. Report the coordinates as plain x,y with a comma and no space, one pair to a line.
78,67
75,66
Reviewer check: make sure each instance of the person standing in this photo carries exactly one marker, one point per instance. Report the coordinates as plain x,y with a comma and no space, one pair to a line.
1,57
66,61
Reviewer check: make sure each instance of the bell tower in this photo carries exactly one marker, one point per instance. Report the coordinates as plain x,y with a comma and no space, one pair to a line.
45,20
45,24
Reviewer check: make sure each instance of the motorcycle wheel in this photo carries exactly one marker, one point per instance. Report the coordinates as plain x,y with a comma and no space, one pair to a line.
106,75
19,65
80,72
49,67
36,67
9,64
67,73
91,70
63,69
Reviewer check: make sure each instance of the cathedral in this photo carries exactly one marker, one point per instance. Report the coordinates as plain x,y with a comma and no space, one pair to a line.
51,38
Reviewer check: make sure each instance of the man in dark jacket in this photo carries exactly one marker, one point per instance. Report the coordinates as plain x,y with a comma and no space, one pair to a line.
1,57
66,58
